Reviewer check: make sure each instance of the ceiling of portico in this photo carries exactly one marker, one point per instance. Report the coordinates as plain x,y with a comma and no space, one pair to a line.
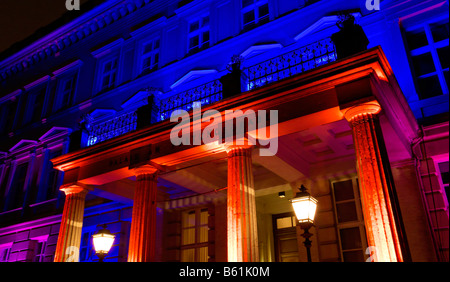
299,154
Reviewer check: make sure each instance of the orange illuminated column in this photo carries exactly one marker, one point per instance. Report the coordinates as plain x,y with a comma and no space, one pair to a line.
69,238
378,213
143,222
241,210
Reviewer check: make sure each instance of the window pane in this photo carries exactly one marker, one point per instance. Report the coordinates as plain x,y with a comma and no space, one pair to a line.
107,66
353,256
156,44
246,3
428,87
350,238
443,56
193,26
193,41
439,31
188,236
204,216
189,219
205,36
147,48
203,254
284,222
343,190
263,10
249,17
203,234
188,255
205,21
443,169
423,64
346,212
416,39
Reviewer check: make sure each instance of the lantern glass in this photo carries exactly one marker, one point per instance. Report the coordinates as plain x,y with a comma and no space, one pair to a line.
305,208
103,242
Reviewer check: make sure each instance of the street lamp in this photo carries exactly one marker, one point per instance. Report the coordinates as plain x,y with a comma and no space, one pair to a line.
305,208
103,241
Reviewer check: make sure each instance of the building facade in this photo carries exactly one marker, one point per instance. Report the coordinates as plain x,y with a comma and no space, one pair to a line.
86,133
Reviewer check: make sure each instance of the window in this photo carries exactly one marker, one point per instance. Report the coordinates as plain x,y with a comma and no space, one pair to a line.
39,251
429,54
67,94
87,251
194,235
4,253
7,118
109,74
254,13
150,56
444,172
199,34
52,176
17,186
35,105
349,220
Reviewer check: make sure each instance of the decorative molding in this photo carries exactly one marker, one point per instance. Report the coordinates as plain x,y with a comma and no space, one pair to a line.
68,67
23,144
258,49
55,132
36,82
321,24
191,76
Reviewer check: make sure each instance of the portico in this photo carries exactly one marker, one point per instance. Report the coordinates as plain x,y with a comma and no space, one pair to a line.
345,118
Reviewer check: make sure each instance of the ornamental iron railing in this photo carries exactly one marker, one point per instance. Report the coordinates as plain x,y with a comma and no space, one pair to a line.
111,128
291,63
207,93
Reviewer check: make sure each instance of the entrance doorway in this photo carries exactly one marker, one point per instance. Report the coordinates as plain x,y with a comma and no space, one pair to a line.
285,237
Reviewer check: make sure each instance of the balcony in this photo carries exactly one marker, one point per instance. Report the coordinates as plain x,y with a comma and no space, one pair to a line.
278,68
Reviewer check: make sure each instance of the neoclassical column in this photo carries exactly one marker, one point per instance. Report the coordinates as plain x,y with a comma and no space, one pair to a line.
143,222
242,233
69,238
379,218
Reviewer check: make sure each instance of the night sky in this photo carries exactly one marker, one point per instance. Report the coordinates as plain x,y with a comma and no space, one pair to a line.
21,18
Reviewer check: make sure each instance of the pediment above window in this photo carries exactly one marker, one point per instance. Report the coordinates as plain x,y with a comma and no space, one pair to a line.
194,74
102,114
321,24
258,49
55,132
140,98
23,144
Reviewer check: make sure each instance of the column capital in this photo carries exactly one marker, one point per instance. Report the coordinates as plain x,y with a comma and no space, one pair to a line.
145,169
235,149
359,110
74,189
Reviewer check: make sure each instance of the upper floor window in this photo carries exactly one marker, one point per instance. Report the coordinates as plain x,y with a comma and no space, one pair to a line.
67,91
429,53
444,173
254,13
109,74
35,105
18,185
7,115
150,56
199,34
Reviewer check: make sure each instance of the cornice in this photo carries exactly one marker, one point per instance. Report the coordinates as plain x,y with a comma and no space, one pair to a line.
69,34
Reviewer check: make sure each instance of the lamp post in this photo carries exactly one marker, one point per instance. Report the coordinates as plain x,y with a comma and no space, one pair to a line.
103,241
305,208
